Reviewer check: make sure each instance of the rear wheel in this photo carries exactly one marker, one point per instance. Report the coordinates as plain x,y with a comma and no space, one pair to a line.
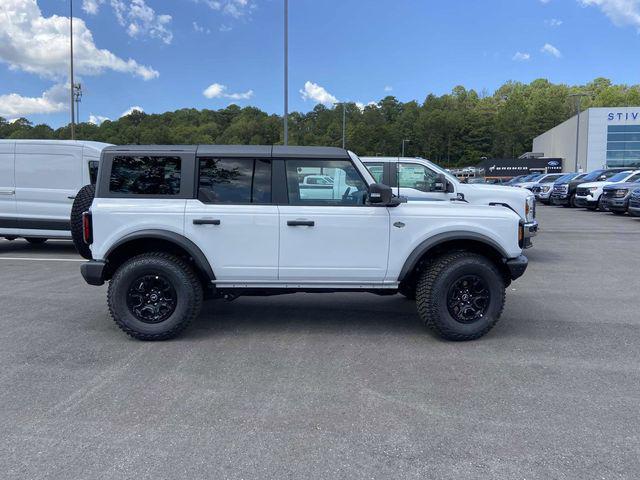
460,296
81,204
36,241
154,296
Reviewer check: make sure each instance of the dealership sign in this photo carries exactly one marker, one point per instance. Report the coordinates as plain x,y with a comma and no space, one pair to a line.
612,116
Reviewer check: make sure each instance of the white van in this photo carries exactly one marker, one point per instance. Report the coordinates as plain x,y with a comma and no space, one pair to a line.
38,183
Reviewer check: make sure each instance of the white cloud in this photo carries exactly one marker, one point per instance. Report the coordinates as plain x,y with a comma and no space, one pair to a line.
130,110
553,22
216,90
142,20
388,88
37,44
232,8
51,101
361,106
313,91
551,50
200,29
620,12
97,119
91,7
521,57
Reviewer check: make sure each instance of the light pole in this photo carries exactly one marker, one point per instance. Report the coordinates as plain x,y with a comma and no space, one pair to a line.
71,84
403,142
578,97
344,123
286,72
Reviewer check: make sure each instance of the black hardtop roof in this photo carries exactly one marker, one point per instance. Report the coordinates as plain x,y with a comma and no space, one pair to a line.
254,151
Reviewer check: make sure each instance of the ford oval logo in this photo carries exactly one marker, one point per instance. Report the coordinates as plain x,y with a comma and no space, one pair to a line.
553,163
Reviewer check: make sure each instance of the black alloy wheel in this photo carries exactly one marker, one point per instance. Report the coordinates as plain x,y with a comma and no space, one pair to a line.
468,299
151,298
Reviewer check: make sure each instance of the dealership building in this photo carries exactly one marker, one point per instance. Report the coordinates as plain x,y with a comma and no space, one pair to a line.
605,137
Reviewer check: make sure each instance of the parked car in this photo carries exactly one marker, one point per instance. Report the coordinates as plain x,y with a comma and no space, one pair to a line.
248,231
615,198
538,180
564,193
634,203
543,192
38,183
514,180
589,194
418,180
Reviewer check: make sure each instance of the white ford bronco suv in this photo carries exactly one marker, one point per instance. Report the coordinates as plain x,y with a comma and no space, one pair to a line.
171,225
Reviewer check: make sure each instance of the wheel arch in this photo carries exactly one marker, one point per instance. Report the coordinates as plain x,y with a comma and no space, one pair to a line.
453,241
158,240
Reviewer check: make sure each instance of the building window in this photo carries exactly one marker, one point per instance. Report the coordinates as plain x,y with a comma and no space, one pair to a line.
623,146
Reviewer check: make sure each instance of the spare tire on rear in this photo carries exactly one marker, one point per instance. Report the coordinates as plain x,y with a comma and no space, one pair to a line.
81,204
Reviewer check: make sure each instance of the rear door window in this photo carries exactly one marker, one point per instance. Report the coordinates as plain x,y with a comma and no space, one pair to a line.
234,180
145,175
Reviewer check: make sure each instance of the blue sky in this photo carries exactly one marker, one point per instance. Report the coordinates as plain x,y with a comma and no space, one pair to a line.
164,54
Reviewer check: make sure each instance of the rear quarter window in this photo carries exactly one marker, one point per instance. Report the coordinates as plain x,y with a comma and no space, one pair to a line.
145,175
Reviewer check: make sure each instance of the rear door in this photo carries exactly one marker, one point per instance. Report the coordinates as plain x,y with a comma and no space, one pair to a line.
336,239
47,177
233,220
7,186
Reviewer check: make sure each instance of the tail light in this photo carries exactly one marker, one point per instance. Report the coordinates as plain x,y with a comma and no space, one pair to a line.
87,233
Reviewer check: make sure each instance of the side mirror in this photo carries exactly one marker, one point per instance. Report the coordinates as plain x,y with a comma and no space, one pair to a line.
380,194
440,185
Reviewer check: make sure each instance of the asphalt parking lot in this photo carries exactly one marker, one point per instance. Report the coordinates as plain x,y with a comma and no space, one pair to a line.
330,386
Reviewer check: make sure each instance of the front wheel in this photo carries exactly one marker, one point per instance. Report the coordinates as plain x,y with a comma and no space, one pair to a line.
460,296
154,296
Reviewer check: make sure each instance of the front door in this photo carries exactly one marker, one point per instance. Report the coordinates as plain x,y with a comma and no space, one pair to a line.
233,220
417,182
331,236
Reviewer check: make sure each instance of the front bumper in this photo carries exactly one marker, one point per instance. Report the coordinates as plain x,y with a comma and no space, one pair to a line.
586,202
543,197
93,272
517,266
562,199
530,229
615,204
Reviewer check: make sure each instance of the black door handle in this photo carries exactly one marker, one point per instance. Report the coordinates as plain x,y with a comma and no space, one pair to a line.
301,223
205,221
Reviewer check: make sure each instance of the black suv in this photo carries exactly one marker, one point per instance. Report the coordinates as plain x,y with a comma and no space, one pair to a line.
564,193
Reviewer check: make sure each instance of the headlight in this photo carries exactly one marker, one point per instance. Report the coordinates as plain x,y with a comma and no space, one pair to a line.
545,189
593,189
621,193
530,208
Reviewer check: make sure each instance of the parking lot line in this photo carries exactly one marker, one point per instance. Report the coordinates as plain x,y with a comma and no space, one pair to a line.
28,259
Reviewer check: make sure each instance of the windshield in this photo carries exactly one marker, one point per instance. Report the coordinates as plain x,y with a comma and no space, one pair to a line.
549,178
592,176
566,178
619,177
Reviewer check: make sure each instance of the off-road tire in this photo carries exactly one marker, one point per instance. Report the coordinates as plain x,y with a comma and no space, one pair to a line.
433,286
571,203
181,277
36,240
81,204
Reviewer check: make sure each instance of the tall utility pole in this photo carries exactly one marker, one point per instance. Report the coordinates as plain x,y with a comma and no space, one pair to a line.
71,84
403,142
344,123
286,72
578,97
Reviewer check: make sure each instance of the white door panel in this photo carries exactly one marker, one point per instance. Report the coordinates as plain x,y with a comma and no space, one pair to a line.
344,243
47,179
7,187
240,241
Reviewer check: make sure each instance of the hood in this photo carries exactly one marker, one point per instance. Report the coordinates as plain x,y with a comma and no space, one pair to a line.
629,185
499,189
594,184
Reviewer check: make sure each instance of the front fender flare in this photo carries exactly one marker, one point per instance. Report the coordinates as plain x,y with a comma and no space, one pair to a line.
428,244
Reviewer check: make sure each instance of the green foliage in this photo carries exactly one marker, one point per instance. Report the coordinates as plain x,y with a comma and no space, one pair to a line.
453,129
